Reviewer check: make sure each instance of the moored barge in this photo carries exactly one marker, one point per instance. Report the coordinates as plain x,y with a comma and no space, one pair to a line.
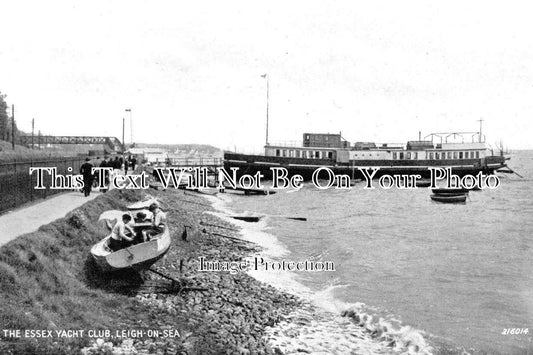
470,155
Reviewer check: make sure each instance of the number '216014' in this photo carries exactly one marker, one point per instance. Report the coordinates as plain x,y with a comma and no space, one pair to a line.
515,331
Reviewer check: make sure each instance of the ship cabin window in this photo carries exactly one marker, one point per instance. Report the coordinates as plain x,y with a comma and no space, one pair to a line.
408,155
317,155
298,153
330,155
284,152
460,155
443,155
437,155
477,155
401,155
455,155
466,155
394,155
430,155
415,155
278,152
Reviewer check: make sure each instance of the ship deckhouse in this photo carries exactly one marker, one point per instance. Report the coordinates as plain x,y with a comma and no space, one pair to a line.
333,147
465,153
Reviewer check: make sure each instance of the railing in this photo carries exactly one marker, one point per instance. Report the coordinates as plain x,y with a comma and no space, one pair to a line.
294,144
17,186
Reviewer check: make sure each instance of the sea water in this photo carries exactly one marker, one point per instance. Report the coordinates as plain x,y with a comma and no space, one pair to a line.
448,277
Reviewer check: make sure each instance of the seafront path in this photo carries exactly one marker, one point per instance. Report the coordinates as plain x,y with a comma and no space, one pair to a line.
27,219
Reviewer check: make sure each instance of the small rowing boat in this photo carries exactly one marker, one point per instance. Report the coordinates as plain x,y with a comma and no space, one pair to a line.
137,256
449,198
451,191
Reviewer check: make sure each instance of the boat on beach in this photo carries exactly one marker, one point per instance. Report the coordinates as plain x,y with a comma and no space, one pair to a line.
141,205
137,256
466,153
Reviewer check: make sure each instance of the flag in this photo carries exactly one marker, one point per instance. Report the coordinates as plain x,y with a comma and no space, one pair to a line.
263,76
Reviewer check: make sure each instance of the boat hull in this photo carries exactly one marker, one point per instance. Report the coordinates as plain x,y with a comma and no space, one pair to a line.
449,198
450,192
251,164
138,256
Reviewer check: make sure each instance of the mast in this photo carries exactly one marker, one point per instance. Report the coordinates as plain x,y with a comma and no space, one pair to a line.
267,101
480,128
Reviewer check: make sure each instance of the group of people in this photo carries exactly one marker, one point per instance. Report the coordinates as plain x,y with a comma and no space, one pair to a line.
117,163
123,234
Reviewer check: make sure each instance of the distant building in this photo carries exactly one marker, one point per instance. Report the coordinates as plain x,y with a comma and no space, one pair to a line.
149,155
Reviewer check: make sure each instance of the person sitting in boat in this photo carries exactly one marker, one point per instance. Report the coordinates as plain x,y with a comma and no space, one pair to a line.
159,221
119,238
140,217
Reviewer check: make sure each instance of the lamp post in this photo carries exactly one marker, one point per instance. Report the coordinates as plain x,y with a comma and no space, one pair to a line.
267,99
131,125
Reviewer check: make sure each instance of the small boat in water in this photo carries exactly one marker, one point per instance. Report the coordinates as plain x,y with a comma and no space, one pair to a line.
449,198
137,256
451,191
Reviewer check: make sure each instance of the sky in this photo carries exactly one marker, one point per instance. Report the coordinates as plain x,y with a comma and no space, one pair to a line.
191,72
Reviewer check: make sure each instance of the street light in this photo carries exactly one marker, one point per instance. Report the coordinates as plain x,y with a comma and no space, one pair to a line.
131,125
265,76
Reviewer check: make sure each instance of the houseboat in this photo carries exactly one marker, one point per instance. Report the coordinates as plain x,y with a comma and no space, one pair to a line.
463,152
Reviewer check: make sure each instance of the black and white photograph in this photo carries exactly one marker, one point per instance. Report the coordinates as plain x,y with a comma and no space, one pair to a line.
281,177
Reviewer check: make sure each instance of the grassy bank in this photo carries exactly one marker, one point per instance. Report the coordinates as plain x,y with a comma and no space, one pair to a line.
48,281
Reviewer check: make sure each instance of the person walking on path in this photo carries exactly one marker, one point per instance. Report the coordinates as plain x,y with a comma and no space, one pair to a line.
117,165
105,164
86,171
126,165
97,163
133,162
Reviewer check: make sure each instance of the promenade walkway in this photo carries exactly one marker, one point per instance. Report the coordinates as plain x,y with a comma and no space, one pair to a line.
30,218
